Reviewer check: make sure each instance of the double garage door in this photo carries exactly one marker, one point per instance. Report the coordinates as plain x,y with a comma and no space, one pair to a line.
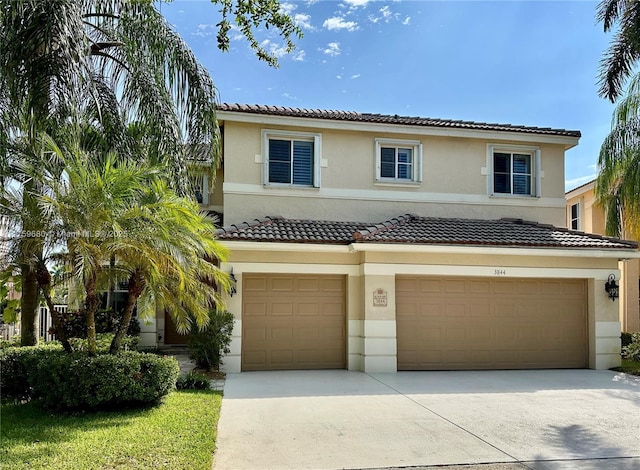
299,322
490,323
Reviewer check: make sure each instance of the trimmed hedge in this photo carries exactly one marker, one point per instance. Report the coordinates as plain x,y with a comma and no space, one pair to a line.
61,381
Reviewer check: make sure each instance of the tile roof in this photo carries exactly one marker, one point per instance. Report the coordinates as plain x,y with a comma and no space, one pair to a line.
353,116
408,229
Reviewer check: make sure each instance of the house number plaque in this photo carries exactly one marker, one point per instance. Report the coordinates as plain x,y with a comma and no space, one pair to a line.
379,298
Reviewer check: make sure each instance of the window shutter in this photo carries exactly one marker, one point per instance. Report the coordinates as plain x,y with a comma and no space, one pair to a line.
303,163
279,161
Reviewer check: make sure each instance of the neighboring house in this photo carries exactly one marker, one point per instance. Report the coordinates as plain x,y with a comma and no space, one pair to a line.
586,215
383,243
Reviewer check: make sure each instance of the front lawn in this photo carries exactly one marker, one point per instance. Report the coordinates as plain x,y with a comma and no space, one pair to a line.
180,433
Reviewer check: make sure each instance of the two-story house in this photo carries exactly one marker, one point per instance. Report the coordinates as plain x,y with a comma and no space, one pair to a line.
382,243
585,214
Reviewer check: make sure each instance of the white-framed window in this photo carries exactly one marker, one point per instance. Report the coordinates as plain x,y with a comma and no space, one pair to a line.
515,171
200,185
291,158
575,216
398,161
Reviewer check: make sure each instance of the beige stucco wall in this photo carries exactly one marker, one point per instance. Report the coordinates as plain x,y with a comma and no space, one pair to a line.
592,220
455,180
371,328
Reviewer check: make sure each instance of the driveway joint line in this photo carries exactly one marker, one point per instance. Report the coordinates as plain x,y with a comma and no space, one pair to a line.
450,422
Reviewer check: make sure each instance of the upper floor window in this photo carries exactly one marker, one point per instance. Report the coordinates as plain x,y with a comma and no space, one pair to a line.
575,216
514,171
398,161
291,158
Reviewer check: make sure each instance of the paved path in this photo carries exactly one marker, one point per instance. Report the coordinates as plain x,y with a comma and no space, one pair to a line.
543,420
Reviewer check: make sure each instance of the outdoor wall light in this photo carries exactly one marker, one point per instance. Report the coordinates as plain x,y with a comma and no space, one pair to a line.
232,286
612,288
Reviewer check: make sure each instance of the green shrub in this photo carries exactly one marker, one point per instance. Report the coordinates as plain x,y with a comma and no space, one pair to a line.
193,381
14,342
626,338
209,345
75,323
632,350
15,366
63,381
103,341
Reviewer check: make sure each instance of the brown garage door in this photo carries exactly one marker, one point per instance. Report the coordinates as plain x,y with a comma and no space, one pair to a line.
293,322
485,323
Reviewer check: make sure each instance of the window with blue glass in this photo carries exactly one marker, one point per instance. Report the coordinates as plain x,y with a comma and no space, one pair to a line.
512,173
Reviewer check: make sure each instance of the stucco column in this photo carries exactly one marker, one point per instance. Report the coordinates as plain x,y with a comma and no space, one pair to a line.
604,334
380,349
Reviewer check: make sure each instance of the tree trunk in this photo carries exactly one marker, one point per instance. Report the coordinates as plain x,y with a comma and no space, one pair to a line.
91,304
44,281
29,312
136,286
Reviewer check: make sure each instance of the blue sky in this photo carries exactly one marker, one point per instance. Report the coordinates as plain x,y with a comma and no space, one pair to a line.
518,62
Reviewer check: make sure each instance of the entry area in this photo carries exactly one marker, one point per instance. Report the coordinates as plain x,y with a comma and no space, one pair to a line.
292,321
456,323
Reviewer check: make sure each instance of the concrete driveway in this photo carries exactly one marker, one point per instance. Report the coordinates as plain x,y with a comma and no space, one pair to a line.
556,419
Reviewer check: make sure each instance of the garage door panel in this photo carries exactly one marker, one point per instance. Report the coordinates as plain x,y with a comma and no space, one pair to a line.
506,324
301,322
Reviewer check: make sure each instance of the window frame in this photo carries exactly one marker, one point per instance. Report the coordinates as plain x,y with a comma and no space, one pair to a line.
416,172
532,151
577,218
194,178
293,136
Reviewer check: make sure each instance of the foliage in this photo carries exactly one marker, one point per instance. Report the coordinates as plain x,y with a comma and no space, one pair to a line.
208,345
14,342
16,364
76,381
625,338
629,367
103,342
75,325
193,381
632,350
179,434
623,17
618,184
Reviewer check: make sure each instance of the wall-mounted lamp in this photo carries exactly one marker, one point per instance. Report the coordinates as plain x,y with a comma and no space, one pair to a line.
612,288
232,286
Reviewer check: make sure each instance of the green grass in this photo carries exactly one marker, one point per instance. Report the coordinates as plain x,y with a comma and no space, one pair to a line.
630,367
179,433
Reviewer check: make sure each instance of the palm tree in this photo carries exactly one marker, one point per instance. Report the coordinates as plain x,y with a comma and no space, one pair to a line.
165,250
618,61
618,183
58,56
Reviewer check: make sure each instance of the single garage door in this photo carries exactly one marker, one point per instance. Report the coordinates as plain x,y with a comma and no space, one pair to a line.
293,322
486,323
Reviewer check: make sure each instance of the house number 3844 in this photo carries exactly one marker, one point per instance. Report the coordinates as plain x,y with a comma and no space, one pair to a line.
499,272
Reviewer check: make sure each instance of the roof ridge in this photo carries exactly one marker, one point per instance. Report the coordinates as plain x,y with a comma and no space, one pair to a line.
383,226
254,223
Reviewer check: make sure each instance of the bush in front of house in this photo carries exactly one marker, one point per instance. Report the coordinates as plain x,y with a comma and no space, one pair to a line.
209,345
62,381
74,323
16,363
193,381
626,338
632,349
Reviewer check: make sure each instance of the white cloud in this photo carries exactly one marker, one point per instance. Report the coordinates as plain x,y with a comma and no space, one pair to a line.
385,11
304,21
335,22
289,96
356,3
204,30
339,77
353,77
298,56
575,182
332,49
406,21
288,8
276,50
